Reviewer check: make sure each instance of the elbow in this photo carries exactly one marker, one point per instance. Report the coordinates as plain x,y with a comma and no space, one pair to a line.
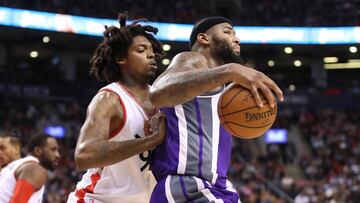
81,160
155,98
163,100
155,102
163,97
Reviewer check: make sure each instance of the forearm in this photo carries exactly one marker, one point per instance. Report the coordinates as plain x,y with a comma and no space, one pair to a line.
178,88
104,153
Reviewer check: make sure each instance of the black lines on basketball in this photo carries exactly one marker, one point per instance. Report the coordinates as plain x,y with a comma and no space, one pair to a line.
234,112
232,98
246,126
229,127
241,116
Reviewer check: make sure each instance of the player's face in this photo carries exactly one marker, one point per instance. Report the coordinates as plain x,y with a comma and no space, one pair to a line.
225,43
50,155
140,61
8,151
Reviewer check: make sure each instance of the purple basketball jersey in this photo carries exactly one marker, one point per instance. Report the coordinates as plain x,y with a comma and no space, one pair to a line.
196,144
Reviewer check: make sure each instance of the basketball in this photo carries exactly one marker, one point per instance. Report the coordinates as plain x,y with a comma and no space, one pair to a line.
240,115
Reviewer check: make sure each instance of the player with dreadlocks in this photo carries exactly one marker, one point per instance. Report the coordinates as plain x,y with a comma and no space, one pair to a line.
121,125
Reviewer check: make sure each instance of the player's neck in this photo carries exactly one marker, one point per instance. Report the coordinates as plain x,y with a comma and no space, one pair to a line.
134,84
213,60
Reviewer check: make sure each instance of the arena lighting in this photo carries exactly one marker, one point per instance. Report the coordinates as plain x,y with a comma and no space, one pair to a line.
46,39
271,63
297,63
354,61
351,64
179,32
34,54
288,50
331,59
292,87
166,61
166,47
352,49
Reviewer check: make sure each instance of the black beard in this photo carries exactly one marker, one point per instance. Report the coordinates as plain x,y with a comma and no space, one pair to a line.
225,52
46,163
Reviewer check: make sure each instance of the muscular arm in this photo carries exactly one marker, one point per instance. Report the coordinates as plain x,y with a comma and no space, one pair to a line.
93,148
30,177
189,75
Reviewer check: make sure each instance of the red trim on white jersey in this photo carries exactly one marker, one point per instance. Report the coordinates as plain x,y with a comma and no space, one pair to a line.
122,122
88,189
136,101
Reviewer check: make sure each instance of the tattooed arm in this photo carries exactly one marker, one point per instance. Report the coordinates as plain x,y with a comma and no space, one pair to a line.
93,148
189,75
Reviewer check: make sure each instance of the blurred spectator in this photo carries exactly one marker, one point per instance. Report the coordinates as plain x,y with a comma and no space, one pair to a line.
242,12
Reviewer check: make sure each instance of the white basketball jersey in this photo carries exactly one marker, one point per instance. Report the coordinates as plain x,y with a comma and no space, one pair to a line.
8,182
129,180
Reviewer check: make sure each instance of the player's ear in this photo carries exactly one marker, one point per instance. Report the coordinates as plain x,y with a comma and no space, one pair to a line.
203,38
121,60
17,149
37,151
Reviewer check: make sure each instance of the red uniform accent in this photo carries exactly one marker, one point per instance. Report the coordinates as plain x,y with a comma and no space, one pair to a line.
22,192
88,189
122,122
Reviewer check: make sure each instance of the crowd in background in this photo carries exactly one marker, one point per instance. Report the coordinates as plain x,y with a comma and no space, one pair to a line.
329,174
241,12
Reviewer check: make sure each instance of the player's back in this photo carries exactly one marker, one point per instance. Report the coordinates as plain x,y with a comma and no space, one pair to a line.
128,180
195,142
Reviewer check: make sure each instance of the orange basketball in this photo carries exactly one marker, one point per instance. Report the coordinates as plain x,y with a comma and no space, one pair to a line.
240,115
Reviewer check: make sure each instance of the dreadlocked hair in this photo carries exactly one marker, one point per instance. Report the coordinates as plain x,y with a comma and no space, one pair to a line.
115,44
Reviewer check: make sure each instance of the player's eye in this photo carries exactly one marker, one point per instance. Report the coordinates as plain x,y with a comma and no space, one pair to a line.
141,49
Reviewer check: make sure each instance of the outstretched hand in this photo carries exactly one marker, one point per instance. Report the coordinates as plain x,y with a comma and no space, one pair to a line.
254,81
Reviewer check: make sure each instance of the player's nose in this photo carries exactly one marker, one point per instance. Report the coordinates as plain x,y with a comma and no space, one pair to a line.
236,40
57,156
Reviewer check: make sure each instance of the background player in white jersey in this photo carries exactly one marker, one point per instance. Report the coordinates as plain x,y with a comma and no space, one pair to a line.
116,137
9,148
25,178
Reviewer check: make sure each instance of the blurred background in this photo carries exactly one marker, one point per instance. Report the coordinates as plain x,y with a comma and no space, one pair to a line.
309,48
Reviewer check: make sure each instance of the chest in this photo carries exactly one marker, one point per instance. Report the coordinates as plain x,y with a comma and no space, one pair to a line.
135,114
145,104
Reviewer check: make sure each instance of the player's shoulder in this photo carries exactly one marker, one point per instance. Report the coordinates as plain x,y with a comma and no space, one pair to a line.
190,55
104,101
106,96
32,166
34,173
189,59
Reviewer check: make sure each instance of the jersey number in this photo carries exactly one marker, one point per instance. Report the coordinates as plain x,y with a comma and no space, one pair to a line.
142,156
